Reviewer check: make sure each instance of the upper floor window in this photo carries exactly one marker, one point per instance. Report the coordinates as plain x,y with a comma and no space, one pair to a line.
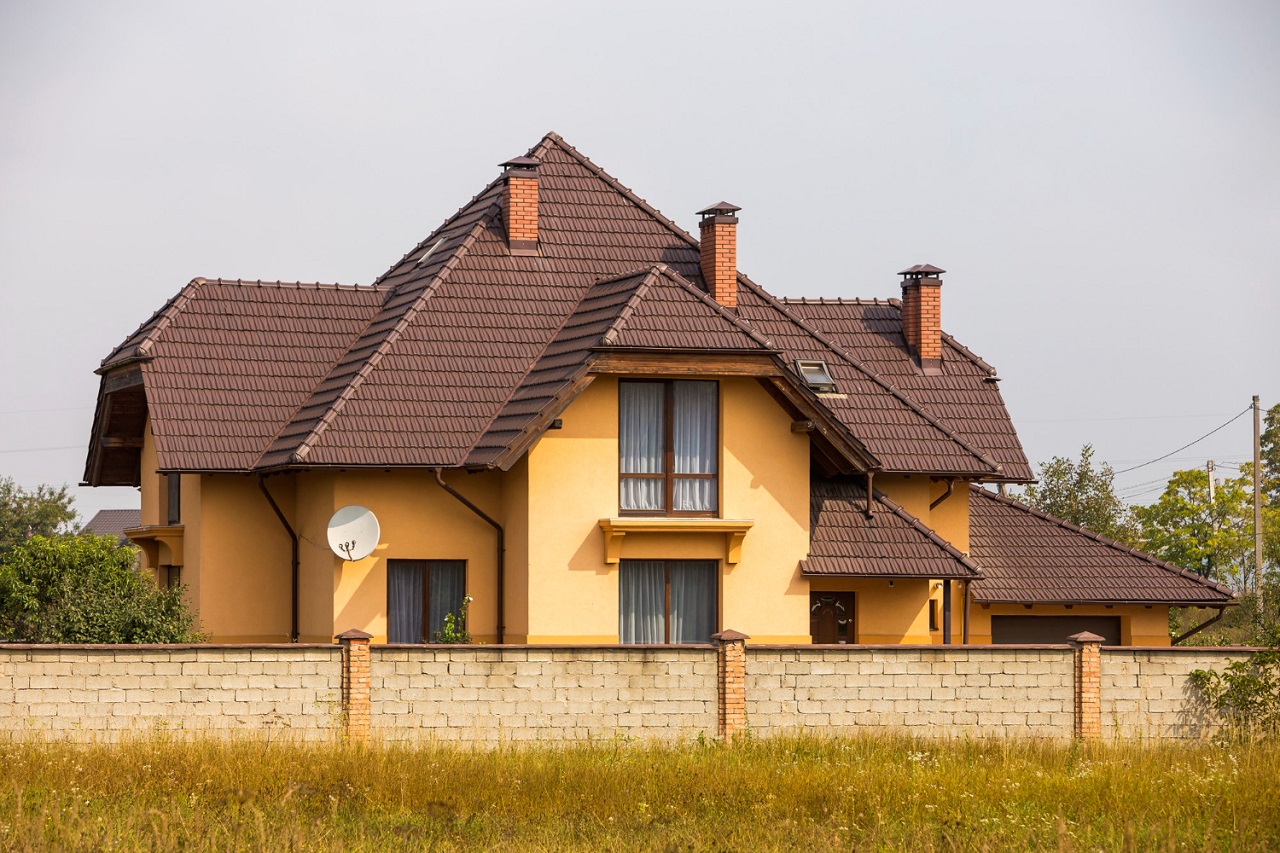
668,447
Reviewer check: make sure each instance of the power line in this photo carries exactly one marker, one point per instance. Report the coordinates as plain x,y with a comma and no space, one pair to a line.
1243,412
1123,418
42,411
41,449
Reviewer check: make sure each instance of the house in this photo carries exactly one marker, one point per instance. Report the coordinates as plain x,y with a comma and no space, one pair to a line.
586,419
113,522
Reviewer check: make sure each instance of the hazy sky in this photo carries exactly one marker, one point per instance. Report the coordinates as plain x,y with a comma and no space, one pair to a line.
1100,180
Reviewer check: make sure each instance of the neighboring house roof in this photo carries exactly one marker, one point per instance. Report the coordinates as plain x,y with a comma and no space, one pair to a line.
1028,557
462,352
114,522
891,543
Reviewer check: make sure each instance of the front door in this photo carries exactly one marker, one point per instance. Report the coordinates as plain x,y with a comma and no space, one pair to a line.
831,617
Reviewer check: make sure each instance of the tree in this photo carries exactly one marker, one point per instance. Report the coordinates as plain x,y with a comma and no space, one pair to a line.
1271,456
1214,540
44,512
1083,494
84,589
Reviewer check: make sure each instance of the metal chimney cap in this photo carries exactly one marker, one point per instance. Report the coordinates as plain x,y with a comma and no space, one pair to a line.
521,163
721,208
922,271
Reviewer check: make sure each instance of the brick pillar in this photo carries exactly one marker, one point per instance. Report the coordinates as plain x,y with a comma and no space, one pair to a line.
1088,685
520,205
355,685
731,683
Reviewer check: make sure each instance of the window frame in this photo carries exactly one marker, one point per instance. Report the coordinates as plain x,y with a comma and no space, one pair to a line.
426,595
668,474
666,595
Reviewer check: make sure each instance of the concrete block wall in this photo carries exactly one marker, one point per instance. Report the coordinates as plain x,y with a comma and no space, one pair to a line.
108,692
477,693
976,692
1147,692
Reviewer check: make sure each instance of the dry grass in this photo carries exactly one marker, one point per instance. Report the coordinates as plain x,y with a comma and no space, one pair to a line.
781,794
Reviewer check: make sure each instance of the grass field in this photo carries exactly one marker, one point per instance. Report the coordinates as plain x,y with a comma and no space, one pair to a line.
781,794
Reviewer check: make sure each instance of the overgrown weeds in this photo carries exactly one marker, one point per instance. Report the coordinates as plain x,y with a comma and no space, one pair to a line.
803,793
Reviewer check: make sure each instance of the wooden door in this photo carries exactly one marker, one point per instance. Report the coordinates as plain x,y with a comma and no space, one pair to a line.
831,617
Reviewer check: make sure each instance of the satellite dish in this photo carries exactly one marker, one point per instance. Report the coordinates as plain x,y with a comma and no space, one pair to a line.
353,532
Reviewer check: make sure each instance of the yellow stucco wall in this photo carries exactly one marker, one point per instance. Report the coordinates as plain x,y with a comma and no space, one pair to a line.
572,483
884,611
1139,625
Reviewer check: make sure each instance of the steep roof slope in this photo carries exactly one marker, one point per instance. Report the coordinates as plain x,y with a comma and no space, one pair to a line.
1029,557
453,356
964,397
225,363
647,309
891,543
475,320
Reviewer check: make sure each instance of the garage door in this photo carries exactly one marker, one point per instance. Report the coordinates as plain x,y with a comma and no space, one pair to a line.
1025,630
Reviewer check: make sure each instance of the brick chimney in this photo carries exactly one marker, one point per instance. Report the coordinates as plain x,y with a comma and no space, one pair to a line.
922,315
719,249
520,204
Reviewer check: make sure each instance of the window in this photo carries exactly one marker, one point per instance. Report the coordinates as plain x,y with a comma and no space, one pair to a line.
668,445
419,594
933,614
173,495
817,375
666,601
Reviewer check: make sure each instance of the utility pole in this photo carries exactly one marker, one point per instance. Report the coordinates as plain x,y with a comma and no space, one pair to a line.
1208,466
1257,501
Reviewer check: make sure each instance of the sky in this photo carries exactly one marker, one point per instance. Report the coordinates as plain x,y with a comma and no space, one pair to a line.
1100,180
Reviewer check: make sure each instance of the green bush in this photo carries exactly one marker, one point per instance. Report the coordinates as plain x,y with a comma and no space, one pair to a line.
85,589
1246,692
454,629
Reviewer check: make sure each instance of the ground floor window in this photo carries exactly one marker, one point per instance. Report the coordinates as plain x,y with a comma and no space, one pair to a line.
667,601
419,594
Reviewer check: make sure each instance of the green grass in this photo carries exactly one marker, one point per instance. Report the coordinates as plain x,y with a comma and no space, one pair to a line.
781,794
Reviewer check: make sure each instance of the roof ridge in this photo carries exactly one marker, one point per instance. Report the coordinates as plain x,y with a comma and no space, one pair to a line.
164,318
298,285
919,525
870,374
969,354
1067,525
533,364
306,442
617,185
619,323
442,227
711,302
833,300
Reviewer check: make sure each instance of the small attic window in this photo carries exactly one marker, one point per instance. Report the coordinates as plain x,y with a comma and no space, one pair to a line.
816,374
429,252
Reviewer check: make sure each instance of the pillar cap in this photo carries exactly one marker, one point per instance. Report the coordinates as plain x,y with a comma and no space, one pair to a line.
1086,637
354,634
729,635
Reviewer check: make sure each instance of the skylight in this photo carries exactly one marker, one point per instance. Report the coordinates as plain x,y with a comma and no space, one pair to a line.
816,374
429,252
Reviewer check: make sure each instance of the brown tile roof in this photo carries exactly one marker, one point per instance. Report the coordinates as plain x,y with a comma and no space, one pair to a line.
113,522
964,397
891,544
1029,557
227,363
460,349
647,309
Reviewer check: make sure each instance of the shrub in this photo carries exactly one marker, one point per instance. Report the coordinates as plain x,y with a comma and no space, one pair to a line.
455,625
84,589
1246,692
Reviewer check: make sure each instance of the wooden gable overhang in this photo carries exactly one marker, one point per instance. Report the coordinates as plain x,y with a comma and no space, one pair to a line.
119,422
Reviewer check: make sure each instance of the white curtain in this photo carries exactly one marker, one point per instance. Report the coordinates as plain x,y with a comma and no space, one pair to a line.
404,601
641,601
695,440
448,585
693,601
640,444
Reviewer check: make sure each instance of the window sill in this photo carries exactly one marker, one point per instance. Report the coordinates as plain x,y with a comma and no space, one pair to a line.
616,529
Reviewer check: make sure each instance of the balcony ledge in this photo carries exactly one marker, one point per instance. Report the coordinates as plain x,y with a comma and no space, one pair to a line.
616,529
